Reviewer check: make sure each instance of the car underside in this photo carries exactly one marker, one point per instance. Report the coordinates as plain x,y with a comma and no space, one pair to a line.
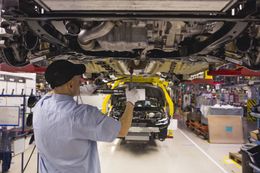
132,37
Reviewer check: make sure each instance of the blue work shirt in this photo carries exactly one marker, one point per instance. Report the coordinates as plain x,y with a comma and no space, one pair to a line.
66,134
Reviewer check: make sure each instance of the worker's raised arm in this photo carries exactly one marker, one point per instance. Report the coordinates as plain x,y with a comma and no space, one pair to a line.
126,120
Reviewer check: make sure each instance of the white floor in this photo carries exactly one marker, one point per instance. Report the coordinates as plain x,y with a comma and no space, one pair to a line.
185,153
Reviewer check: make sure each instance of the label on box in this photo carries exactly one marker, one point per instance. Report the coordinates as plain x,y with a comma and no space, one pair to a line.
229,129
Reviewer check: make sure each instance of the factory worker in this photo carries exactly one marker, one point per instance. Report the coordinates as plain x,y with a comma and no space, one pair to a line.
66,133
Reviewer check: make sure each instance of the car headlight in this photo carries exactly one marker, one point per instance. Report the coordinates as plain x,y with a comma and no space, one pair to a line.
163,121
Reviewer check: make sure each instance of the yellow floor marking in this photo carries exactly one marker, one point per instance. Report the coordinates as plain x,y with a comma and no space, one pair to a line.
229,161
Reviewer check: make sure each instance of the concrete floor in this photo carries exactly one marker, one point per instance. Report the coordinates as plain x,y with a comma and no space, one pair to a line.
185,153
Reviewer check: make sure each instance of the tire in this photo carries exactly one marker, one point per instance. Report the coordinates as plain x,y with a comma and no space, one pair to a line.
9,58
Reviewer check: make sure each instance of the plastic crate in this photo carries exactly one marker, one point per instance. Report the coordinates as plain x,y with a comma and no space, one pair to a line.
255,169
254,154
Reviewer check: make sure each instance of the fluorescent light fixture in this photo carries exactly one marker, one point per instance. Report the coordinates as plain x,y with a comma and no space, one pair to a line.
136,5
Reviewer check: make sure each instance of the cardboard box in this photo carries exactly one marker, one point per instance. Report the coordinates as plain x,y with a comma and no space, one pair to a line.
255,135
225,129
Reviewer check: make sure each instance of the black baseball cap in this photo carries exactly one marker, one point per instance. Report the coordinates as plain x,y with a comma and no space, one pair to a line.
61,71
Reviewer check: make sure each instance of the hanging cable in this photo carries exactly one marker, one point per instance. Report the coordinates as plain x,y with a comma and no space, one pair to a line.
29,158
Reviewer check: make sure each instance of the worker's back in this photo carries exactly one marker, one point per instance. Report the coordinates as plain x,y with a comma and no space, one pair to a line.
66,138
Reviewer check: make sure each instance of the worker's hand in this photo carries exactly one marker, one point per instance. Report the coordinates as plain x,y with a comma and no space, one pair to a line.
88,89
132,95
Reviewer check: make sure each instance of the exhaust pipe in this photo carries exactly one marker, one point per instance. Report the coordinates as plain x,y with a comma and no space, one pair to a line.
86,38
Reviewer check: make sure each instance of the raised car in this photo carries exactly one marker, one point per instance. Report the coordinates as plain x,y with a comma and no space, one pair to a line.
140,36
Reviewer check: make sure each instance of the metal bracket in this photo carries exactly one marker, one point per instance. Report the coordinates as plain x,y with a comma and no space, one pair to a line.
40,31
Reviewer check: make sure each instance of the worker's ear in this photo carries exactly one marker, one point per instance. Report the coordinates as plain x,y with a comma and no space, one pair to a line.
70,85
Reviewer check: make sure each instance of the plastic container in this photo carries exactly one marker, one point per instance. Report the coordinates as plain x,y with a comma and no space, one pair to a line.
256,169
246,168
254,154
